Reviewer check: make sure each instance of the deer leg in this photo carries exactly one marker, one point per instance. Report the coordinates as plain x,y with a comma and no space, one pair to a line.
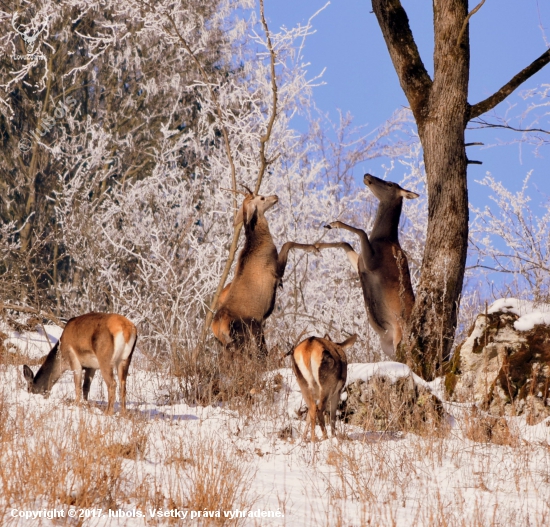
259,339
283,254
78,384
311,415
353,257
88,377
321,415
109,378
122,375
333,407
397,337
366,249
75,365
306,428
123,368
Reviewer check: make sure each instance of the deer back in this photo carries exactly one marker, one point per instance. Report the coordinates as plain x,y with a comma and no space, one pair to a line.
320,365
94,340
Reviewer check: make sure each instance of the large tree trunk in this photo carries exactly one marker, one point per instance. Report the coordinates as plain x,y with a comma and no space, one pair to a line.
434,317
441,131
441,110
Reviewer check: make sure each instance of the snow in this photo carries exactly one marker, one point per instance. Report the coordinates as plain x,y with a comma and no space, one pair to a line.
391,370
33,344
530,314
356,371
529,321
371,478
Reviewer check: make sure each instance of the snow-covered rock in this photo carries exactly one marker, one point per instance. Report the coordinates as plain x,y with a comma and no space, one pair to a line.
389,397
504,365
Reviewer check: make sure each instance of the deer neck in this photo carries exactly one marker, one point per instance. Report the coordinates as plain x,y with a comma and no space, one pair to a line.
386,222
49,372
258,236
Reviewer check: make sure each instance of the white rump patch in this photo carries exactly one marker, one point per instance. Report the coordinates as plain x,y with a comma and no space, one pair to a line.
122,349
305,372
315,367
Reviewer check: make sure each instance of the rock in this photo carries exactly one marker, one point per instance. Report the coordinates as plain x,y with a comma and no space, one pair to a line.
392,405
505,371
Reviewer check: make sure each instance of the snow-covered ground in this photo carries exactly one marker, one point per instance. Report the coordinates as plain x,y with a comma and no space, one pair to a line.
371,478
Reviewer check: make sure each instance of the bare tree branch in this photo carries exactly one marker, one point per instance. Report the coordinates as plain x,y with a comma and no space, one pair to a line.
413,76
33,311
265,138
263,165
237,229
466,20
485,124
488,104
218,107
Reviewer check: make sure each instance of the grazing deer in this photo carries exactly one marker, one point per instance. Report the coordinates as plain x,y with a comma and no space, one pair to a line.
321,368
249,299
89,342
382,265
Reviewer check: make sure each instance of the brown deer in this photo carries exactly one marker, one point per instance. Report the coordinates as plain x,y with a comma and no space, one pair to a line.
249,299
382,265
89,342
321,368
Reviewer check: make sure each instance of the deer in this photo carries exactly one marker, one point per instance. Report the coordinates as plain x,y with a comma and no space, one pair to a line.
249,299
382,265
89,342
321,369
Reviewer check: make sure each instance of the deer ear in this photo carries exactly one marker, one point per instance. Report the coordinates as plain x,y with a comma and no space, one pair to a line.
327,337
249,211
409,194
348,342
28,374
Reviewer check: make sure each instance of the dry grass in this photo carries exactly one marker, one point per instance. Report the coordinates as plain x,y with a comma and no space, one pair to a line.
402,465
217,479
400,406
421,481
71,457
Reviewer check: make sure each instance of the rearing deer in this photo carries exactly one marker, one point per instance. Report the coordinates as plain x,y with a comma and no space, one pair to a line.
249,300
89,342
382,265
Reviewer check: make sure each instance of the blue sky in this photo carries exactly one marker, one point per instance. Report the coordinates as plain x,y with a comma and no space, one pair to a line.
359,77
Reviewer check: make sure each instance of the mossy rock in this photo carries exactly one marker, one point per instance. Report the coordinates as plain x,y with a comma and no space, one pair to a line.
392,406
503,370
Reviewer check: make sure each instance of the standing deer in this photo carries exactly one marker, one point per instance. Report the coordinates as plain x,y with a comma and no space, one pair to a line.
382,265
89,342
249,299
321,368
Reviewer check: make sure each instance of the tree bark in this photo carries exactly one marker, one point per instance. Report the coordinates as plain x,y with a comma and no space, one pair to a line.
434,317
441,110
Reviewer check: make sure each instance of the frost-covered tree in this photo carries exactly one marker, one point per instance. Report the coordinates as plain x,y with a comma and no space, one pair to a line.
157,109
94,96
511,239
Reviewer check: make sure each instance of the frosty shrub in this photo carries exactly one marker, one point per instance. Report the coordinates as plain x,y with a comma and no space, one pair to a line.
512,239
